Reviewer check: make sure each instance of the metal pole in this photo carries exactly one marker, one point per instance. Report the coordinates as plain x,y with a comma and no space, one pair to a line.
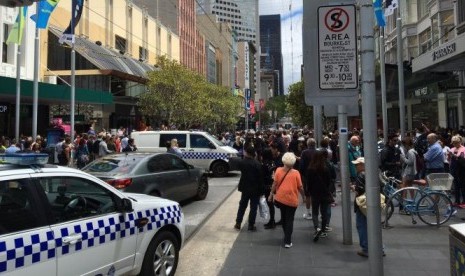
372,188
344,164
400,72
73,88
383,84
18,91
73,72
317,123
35,88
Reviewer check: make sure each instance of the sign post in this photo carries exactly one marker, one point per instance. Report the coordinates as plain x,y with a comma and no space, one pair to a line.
330,40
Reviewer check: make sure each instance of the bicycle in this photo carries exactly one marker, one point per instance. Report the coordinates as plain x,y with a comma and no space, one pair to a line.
431,204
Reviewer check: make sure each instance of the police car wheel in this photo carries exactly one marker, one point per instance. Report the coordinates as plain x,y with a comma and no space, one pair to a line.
202,190
162,255
220,169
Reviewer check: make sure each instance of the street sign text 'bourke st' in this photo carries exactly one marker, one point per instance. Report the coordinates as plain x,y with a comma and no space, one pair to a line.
330,53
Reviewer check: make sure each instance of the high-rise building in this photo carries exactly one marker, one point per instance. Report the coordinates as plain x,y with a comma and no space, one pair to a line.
241,14
271,61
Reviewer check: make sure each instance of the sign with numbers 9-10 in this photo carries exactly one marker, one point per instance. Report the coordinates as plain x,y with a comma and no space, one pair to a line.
337,47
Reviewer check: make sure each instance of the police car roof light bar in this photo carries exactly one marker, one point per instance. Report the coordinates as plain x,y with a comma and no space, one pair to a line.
24,159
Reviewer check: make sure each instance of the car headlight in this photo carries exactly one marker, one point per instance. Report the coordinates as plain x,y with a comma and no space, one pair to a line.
231,155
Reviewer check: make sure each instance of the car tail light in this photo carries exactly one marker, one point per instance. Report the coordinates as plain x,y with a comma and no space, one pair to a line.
120,183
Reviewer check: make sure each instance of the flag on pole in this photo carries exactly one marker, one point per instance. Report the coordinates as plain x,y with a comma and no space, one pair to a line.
76,12
390,5
16,34
378,7
46,8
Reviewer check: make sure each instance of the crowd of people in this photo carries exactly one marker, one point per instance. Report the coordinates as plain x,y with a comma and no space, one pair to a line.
284,165
85,148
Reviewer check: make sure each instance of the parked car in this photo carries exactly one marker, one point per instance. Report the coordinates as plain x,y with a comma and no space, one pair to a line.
60,221
157,174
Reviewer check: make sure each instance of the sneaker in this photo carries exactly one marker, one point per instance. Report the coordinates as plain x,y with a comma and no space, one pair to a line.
317,234
307,216
328,229
363,254
454,212
323,235
288,245
237,226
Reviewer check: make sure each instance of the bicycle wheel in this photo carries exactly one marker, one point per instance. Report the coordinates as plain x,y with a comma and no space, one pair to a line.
434,208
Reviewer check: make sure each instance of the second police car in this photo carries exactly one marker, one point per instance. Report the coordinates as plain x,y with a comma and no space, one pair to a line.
61,221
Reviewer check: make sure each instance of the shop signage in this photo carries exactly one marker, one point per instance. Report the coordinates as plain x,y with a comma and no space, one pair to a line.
3,108
421,91
444,51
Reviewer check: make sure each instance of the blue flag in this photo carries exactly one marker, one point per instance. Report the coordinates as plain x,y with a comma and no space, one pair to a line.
378,7
76,13
45,10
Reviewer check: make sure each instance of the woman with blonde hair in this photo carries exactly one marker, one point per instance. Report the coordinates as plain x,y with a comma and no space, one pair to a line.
286,187
457,169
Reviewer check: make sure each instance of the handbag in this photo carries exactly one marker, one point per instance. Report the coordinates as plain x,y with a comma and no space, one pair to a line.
361,202
277,187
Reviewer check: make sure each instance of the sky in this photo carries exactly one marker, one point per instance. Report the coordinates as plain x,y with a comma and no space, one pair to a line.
291,35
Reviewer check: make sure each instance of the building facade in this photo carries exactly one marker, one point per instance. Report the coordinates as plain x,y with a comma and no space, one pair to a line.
117,43
271,60
192,43
430,39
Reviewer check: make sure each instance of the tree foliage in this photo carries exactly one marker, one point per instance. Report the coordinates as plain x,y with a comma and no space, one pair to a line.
301,113
184,98
277,107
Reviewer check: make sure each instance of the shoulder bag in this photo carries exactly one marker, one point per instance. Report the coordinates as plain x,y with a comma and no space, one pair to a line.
277,187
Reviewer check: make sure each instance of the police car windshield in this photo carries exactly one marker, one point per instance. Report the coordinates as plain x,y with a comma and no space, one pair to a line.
120,164
216,141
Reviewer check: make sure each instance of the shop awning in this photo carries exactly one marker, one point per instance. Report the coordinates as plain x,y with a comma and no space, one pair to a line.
111,62
52,92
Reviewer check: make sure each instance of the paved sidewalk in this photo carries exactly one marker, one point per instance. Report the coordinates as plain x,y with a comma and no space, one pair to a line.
217,249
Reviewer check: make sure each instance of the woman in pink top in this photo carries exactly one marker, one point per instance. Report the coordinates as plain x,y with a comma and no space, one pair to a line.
457,169
286,187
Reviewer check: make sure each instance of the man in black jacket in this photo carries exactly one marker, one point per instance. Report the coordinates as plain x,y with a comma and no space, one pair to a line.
252,186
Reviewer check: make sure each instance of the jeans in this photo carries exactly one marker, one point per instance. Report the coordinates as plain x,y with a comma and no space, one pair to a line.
361,222
254,200
320,206
287,218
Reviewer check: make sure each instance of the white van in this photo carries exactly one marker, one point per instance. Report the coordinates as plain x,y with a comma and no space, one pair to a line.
198,148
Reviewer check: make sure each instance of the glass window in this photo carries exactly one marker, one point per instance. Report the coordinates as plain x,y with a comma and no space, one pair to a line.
120,43
5,45
121,164
199,141
159,163
422,8
166,138
73,198
177,163
17,208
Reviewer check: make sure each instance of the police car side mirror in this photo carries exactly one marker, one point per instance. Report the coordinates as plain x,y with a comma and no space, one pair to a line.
125,205
210,145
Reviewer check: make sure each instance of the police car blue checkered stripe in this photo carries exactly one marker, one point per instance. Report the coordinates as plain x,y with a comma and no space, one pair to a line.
34,248
204,155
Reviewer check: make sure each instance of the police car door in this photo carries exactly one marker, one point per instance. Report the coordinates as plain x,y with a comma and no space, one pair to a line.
91,237
27,246
199,153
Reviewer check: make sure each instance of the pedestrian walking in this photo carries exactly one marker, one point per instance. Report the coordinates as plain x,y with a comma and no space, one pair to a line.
285,192
82,154
318,182
268,168
457,169
251,185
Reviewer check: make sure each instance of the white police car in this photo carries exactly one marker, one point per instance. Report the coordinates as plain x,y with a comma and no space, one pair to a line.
61,221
